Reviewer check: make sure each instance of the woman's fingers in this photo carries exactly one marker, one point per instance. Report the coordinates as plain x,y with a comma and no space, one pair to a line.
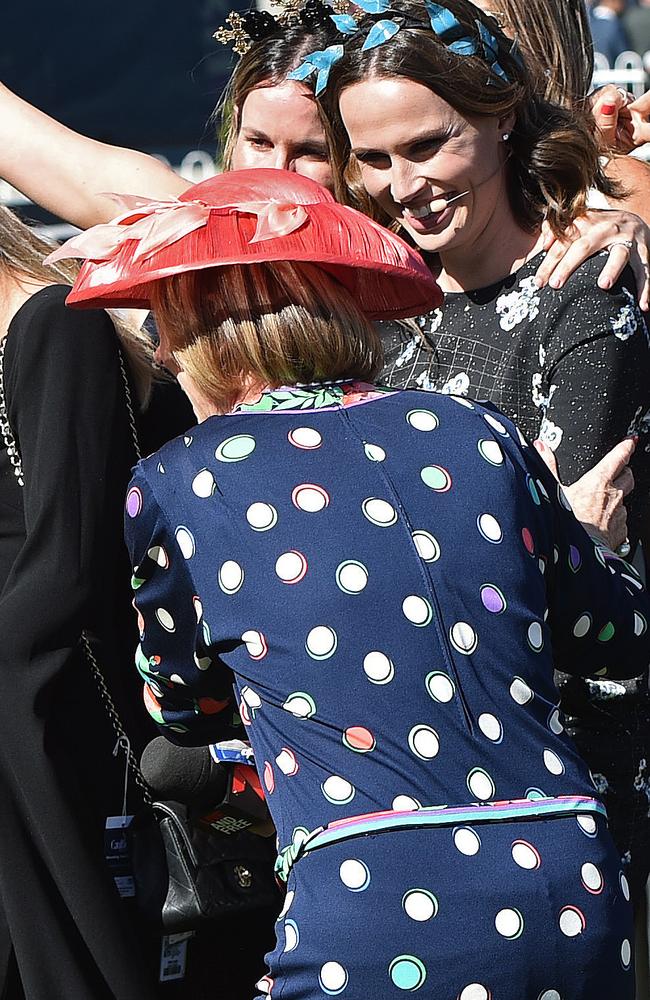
640,113
548,456
605,107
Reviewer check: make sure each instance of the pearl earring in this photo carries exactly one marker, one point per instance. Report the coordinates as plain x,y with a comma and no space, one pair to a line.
505,137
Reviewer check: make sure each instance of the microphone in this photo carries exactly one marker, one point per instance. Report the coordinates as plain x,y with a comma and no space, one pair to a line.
183,774
228,797
440,204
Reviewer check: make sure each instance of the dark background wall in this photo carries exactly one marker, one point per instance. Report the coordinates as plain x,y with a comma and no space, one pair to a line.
144,73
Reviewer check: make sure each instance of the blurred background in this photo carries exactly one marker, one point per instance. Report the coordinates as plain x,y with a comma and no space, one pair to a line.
147,73
141,73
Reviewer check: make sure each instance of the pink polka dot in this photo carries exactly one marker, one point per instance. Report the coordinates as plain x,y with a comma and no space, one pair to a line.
528,541
359,738
269,780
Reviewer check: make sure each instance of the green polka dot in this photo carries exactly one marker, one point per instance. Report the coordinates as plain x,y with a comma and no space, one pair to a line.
407,972
436,478
606,632
235,449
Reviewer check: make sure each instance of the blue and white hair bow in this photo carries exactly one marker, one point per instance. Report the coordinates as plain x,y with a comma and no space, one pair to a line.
320,63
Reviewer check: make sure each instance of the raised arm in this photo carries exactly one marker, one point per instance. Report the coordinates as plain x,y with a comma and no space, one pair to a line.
66,172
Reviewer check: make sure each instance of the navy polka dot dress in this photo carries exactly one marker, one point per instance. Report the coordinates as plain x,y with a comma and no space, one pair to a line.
389,578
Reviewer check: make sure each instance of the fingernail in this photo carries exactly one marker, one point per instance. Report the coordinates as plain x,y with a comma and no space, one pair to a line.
608,109
555,282
539,445
605,283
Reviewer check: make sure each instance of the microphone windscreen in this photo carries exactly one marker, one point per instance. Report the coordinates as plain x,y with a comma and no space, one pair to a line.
178,773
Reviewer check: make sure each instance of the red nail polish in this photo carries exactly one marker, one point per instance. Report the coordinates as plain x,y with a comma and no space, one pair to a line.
608,109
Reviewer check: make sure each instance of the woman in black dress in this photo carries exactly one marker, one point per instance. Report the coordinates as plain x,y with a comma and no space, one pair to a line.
72,383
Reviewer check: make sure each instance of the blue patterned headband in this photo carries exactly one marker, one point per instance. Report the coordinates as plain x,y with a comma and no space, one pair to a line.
444,24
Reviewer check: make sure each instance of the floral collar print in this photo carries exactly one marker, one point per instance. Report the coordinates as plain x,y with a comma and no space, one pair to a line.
326,395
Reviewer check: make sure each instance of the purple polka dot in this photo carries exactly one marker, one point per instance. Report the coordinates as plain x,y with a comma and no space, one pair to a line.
575,559
493,600
134,502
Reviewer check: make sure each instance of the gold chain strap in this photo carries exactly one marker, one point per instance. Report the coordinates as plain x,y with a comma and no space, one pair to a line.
16,463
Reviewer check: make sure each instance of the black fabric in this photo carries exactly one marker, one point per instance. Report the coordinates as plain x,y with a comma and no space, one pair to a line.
63,568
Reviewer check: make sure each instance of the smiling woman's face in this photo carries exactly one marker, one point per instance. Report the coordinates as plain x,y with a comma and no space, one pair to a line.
414,149
279,126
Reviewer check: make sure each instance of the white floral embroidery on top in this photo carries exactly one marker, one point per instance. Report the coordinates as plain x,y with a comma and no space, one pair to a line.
425,382
551,434
434,319
626,323
457,385
407,353
515,307
541,401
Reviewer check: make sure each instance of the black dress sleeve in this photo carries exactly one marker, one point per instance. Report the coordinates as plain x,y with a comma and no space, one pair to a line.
67,410
599,343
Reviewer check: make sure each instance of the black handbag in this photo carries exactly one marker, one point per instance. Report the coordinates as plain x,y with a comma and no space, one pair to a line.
208,875
186,873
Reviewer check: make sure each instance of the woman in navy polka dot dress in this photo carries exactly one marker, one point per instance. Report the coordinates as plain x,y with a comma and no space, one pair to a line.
388,578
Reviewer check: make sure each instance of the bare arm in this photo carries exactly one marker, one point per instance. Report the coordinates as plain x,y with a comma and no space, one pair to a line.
634,177
65,172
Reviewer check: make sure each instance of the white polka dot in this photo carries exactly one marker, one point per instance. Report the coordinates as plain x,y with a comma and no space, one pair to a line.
203,484
525,855
509,923
231,577
159,556
333,977
480,784
553,763
310,498
462,402
640,624
420,905
374,452
422,420
427,546
264,985
520,692
490,528
300,705
305,437
495,424
321,642
475,992
352,577
288,900
535,636
187,440
555,722
591,877
467,841
549,995
251,698
463,638
625,886
490,727
404,803
424,742
291,566
177,679
261,516
255,644
440,687
165,619
198,608
379,512
378,668
417,610
235,449
491,452
587,824
354,875
185,540
582,626
626,953
287,763
291,937
338,790
571,921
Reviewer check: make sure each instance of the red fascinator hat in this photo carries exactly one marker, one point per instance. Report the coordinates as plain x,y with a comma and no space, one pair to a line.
247,217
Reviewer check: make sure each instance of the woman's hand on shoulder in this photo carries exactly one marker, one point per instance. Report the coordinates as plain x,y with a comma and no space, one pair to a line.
597,498
626,237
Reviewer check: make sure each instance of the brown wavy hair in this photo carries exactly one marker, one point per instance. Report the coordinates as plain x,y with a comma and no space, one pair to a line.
554,156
